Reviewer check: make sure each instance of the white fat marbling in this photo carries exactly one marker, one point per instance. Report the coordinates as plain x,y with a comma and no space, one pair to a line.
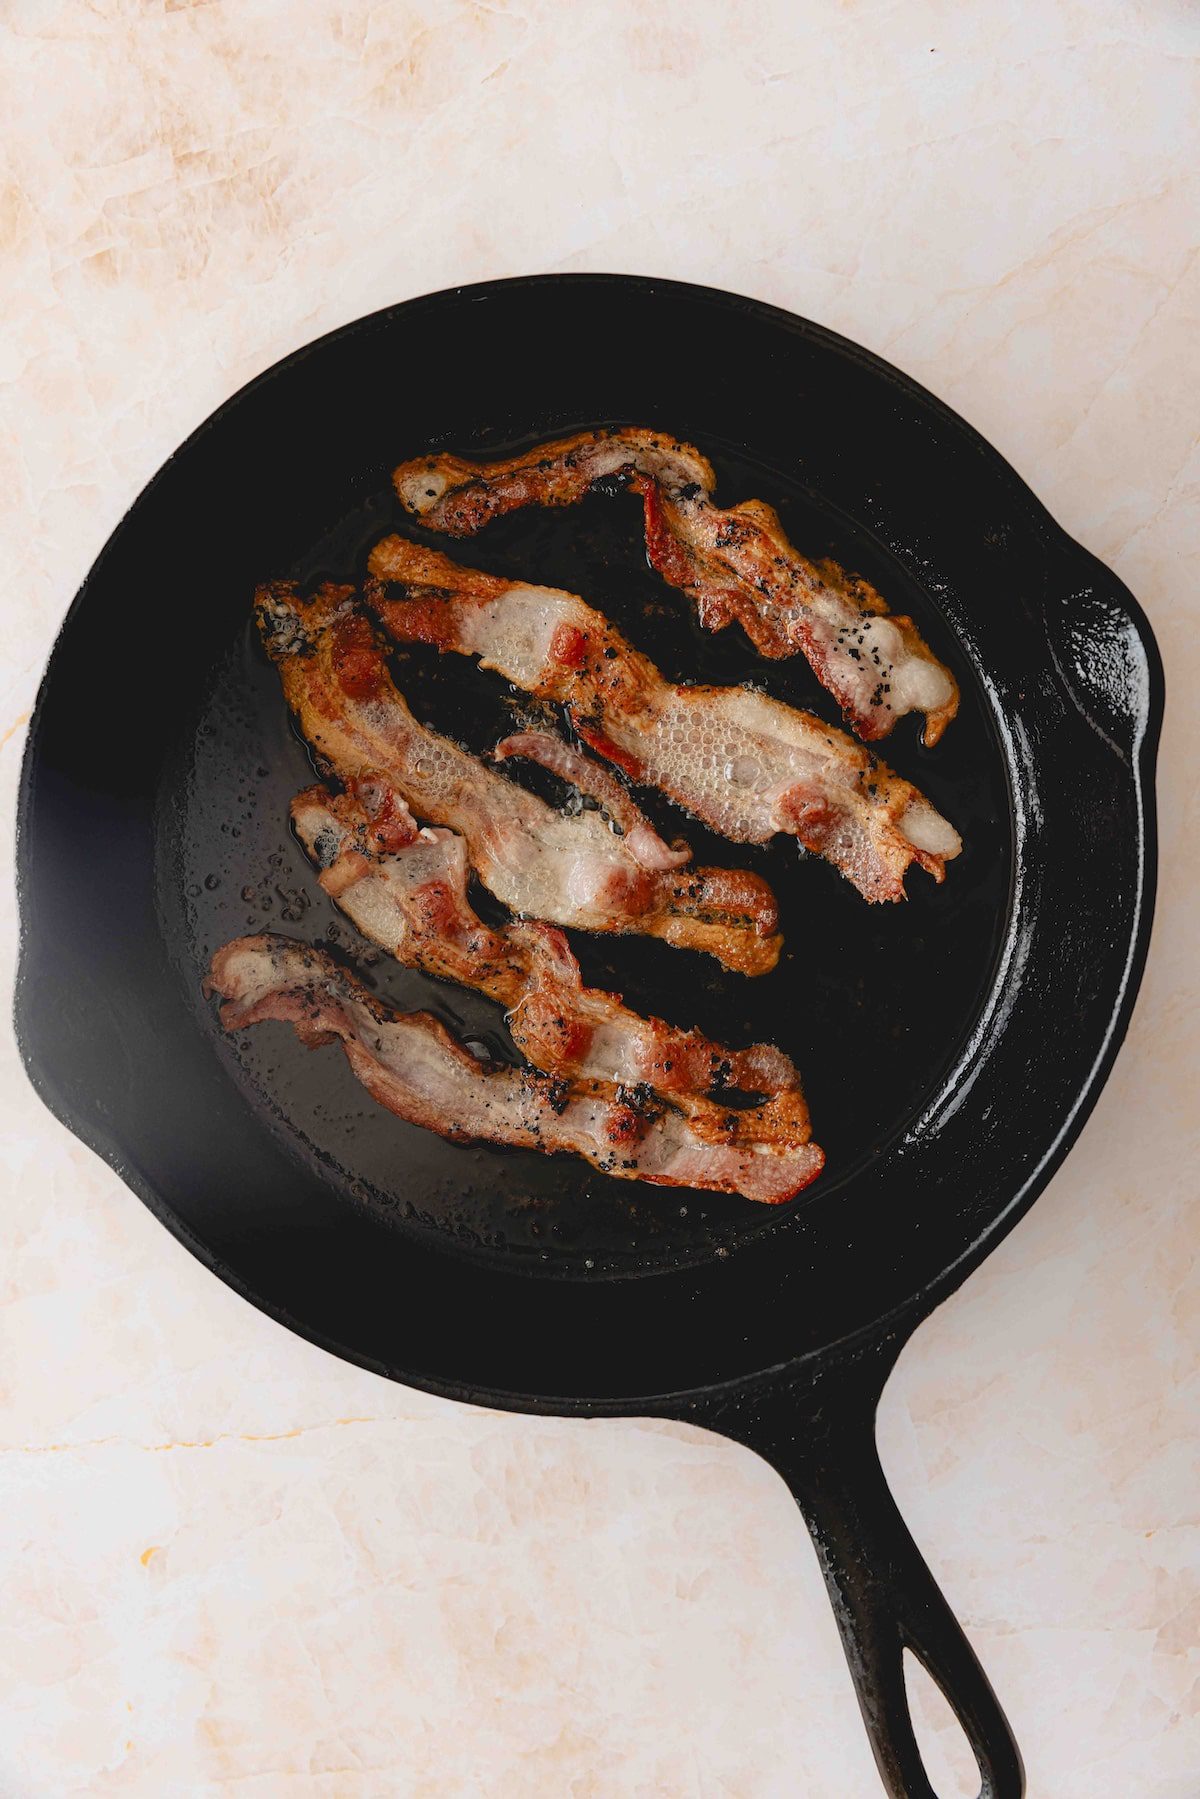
233,1565
520,649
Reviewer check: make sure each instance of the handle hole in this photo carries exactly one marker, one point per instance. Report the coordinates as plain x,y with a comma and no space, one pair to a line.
950,1765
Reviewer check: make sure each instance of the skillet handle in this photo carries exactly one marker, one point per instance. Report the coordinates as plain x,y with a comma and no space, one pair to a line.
1105,653
821,1439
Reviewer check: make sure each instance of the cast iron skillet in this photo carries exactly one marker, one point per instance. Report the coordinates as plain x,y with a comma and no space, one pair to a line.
952,1046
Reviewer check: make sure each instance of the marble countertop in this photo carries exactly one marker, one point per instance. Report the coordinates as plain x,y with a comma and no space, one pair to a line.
231,1562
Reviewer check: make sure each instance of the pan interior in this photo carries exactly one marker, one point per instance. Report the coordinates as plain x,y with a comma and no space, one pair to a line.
872,1002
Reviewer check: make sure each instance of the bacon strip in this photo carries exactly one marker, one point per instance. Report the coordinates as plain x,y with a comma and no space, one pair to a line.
568,869
411,1064
411,900
596,782
733,564
746,765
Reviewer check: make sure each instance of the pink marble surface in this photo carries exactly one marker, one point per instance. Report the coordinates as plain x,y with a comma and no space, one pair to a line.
232,1563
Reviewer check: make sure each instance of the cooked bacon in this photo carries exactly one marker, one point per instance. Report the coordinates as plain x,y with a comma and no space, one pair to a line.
411,898
571,869
746,765
451,494
411,1064
733,563
589,778
412,902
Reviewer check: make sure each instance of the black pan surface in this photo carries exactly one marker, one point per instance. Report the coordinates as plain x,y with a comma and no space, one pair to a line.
951,1046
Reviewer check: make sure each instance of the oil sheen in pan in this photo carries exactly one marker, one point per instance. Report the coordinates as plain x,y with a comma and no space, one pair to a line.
872,1002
